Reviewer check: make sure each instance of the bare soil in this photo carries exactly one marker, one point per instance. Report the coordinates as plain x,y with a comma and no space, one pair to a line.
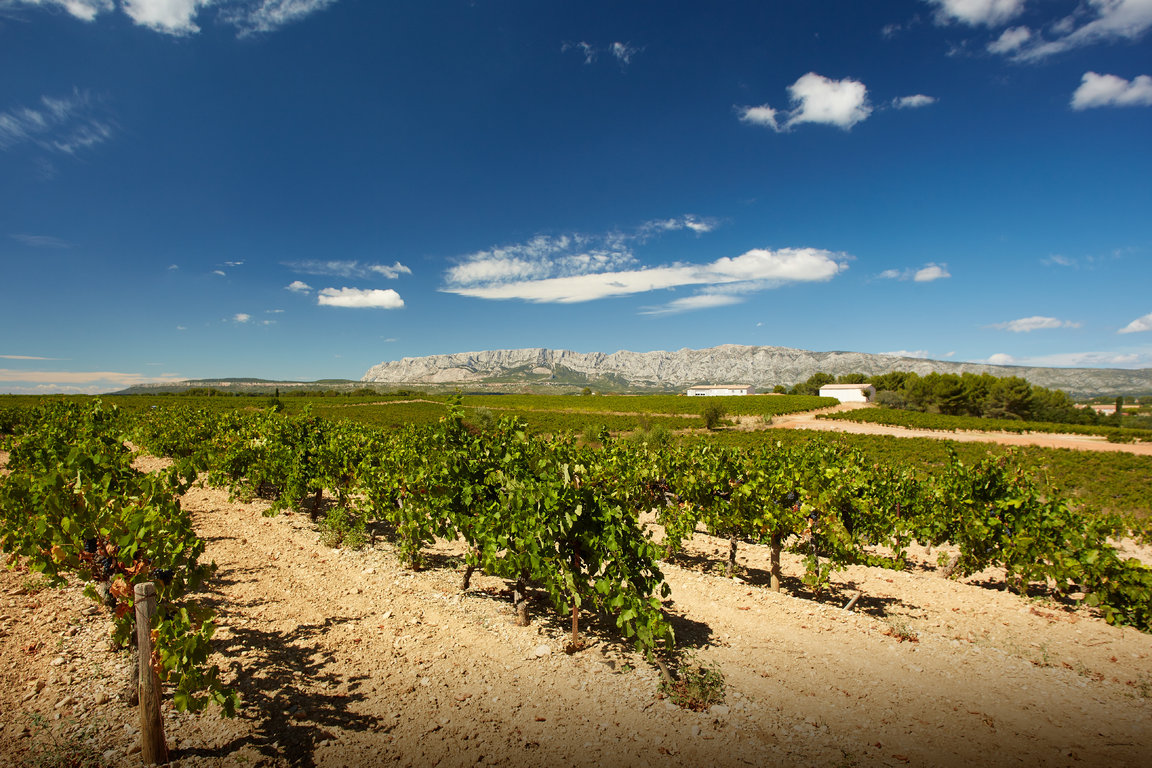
344,658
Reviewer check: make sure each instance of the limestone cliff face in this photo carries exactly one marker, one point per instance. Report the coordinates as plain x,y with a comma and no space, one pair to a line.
763,367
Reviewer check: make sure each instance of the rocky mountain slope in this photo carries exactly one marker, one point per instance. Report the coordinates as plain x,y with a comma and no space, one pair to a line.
763,367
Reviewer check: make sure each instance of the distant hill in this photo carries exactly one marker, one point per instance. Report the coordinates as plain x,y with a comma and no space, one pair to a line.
239,385
763,367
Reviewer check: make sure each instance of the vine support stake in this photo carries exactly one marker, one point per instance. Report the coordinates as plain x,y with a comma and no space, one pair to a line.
774,579
520,601
575,601
153,749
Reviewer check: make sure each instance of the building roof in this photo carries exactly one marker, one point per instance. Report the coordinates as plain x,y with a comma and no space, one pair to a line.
722,386
845,386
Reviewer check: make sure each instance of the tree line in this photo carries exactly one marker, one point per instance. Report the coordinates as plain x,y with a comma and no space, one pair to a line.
965,394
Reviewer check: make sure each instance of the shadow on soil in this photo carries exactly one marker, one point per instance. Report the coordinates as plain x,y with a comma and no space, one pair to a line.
290,720
834,594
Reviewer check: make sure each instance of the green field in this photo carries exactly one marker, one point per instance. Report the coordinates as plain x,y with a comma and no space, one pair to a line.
754,405
1105,481
944,423
1119,482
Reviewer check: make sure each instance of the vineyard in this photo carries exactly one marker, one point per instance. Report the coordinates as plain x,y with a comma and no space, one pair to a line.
594,534
919,420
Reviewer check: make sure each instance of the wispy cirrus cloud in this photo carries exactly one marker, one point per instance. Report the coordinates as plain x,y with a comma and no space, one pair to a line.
621,51
80,382
347,268
270,15
85,10
61,125
27,357
183,17
41,241
1092,22
359,298
815,99
1010,40
926,274
1112,91
922,354
1075,360
914,102
1034,323
696,224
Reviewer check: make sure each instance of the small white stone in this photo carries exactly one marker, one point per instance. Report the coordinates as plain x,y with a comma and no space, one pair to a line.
541,650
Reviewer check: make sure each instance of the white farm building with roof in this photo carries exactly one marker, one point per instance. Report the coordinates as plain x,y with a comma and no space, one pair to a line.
709,390
849,393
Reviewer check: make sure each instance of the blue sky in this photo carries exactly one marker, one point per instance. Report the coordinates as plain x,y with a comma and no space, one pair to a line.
298,189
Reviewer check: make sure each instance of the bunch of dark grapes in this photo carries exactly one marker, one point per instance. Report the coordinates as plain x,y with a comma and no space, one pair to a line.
163,575
103,567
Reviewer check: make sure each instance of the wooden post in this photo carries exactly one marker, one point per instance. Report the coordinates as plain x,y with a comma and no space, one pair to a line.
732,555
153,749
575,600
520,601
774,577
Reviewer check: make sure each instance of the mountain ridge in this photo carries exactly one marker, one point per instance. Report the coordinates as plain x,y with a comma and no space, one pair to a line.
761,366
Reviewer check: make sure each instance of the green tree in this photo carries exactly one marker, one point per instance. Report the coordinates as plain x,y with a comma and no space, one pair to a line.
713,415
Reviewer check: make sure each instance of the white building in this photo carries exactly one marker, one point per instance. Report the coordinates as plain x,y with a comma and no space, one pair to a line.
709,390
849,393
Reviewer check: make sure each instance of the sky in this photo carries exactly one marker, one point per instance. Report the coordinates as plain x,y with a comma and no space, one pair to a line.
301,189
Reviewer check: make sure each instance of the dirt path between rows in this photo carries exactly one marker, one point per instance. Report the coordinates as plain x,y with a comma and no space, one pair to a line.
345,658
808,420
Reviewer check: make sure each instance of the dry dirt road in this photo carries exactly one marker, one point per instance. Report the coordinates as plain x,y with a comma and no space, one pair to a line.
344,658
808,420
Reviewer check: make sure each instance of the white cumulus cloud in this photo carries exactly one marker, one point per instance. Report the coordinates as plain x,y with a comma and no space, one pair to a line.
1000,358
841,103
1112,91
1034,323
931,272
179,17
816,99
977,12
360,298
298,286
547,281
761,115
241,317
923,354
174,17
1138,325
